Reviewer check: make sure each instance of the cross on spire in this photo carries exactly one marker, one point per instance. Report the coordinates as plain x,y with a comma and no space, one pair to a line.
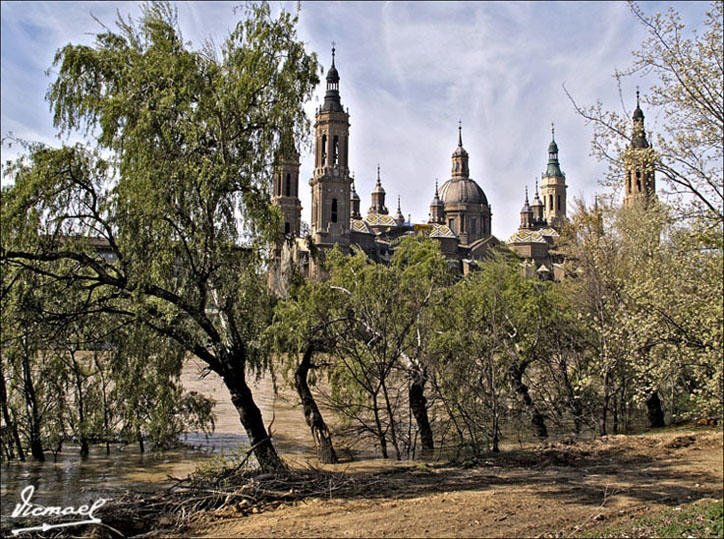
553,131
637,97
460,132
378,173
333,49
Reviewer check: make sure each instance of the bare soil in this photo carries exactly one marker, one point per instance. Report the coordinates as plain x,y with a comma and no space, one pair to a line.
556,490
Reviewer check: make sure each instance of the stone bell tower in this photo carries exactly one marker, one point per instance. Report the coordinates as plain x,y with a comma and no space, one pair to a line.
331,179
639,178
553,187
286,186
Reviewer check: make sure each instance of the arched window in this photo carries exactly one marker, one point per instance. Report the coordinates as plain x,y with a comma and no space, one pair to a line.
559,202
324,150
550,201
288,186
287,228
451,223
462,224
474,225
638,181
335,150
334,210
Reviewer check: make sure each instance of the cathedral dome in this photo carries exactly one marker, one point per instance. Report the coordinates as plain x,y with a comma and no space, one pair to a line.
462,191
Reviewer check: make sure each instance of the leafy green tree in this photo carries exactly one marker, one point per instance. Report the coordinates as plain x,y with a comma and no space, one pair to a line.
300,338
648,294
687,98
496,326
181,203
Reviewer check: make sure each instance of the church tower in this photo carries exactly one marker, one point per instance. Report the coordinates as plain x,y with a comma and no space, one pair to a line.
553,187
399,217
640,181
526,214
331,180
437,216
355,202
378,197
286,186
538,209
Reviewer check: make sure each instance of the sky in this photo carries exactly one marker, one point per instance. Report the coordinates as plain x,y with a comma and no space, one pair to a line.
410,71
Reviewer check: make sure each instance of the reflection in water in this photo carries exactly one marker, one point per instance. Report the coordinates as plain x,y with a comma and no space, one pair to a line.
73,481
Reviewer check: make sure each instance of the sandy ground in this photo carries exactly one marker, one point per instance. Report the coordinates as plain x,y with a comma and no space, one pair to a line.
551,491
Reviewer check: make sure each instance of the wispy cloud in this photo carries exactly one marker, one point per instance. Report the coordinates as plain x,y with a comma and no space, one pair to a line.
409,72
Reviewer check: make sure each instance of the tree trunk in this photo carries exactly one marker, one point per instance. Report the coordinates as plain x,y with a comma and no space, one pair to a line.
654,411
6,416
614,409
378,425
250,415
84,449
312,415
573,402
537,419
393,429
36,444
418,406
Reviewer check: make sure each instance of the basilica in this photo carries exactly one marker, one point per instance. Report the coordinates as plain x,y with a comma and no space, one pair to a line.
459,215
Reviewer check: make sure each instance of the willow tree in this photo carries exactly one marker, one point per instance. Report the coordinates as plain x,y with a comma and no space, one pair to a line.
180,202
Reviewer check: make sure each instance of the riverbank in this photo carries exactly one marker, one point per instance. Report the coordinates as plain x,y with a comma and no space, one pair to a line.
556,490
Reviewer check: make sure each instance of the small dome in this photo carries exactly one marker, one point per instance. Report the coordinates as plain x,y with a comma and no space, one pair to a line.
553,147
462,190
378,189
332,74
460,151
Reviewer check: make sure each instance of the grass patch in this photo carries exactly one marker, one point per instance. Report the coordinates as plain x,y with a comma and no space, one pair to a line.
692,520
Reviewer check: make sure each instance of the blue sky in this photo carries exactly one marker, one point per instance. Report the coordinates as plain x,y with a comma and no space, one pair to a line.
409,71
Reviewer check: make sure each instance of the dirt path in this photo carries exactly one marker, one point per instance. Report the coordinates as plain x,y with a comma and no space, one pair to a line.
553,491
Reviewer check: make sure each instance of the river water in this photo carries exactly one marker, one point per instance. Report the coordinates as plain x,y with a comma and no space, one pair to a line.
73,481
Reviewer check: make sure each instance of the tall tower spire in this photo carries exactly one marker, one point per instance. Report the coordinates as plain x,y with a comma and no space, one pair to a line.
378,196
331,182
537,207
286,185
436,213
399,218
639,177
526,213
553,186
354,201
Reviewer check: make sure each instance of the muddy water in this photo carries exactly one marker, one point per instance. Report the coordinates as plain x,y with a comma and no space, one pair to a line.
73,481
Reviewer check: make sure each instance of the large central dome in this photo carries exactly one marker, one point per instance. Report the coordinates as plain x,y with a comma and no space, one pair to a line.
462,191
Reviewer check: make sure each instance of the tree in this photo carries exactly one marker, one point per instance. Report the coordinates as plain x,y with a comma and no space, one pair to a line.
688,98
301,324
649,298
181,203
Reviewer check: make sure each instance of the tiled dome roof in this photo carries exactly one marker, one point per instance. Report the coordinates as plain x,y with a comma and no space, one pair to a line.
462,190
